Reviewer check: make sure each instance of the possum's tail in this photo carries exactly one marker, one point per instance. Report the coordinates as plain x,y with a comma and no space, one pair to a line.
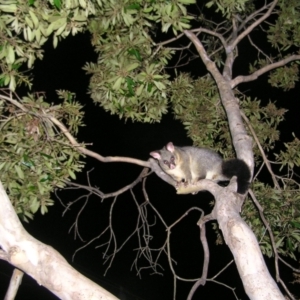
237,167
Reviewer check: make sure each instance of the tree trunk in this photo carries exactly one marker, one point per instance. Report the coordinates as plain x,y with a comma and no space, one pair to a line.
257,281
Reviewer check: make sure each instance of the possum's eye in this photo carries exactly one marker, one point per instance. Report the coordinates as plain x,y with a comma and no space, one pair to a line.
166,162
172,159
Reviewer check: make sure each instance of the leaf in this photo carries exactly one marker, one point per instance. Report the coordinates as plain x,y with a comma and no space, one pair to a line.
34,206
46,155
132,66
34,19
187,2
135,53
10,55
9,8
295,224
209,4
12,83
44,209
159,85
133,6
2,165
27,162
72,174
41,188
117,84
139,90
130,86
57,4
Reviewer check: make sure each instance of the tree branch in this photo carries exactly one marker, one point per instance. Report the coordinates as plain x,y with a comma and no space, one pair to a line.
41,261
253,15
252,26
73,141
265,159
240,79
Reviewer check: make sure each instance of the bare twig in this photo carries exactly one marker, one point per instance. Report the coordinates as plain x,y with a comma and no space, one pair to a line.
234,43
203,239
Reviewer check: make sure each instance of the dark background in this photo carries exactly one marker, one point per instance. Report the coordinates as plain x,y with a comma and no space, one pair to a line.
61,69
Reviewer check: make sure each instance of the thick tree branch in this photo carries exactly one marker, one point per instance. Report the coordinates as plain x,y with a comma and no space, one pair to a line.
241,142
203,54
240,79
41,261
245,248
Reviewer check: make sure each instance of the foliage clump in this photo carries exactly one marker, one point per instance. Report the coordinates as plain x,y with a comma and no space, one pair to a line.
36,156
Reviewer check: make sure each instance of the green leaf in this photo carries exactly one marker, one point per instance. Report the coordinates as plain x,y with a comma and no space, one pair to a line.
133,6
46,155
135,53
2,165
117,84
57,4
19,172
41,188
132,66
44,209
295,224
130,86
27,162
10,56
72,174
209,4
34,206
187,2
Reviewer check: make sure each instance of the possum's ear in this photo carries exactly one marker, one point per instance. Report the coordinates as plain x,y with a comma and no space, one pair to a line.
170,147
155,154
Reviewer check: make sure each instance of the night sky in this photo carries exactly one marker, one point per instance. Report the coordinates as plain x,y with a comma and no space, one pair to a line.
61,69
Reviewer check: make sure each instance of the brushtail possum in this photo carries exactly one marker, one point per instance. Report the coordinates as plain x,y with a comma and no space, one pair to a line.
190,164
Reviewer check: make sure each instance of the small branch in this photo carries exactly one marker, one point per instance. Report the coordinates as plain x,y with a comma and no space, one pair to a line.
266,161
94,154
202,280
97,192
73,141
198,31
253,25
15,282
240,79
253,15
288,265
286,289
259,50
